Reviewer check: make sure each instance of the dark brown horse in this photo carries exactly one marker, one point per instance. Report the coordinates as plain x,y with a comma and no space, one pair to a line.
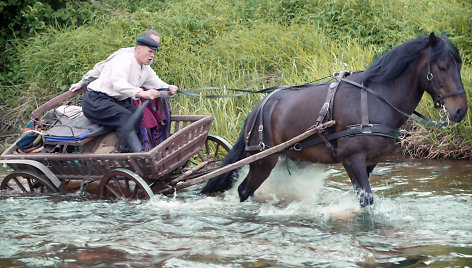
393,86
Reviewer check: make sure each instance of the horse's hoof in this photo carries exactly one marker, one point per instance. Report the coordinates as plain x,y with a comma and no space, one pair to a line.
365,198
243,195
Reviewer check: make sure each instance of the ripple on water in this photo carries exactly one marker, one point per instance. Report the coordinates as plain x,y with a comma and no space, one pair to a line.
308,218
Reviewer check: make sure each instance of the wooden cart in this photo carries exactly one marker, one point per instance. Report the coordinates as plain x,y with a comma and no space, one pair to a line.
187,153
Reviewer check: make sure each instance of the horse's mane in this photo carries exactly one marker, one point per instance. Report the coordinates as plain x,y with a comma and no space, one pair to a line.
395,61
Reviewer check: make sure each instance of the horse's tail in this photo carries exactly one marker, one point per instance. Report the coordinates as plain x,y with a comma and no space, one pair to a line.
135,120
225,181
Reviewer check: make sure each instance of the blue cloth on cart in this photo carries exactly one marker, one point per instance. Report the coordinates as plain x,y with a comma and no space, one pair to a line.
75,129
52,138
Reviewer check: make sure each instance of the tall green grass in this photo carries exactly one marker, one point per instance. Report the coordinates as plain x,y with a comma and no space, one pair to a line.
250,44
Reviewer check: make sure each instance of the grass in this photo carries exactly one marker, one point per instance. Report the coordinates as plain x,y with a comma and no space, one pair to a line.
251,44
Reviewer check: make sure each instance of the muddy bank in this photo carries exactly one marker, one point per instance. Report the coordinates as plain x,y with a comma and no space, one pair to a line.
420,142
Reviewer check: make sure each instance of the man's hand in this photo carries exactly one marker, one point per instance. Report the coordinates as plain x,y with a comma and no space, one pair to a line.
173,90
75,87
154,94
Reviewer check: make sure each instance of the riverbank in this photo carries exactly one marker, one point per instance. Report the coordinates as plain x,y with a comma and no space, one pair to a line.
234,44
421,142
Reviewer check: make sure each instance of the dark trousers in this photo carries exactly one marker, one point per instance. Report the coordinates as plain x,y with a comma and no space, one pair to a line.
106,111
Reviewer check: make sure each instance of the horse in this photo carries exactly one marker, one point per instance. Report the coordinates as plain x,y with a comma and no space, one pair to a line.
368,108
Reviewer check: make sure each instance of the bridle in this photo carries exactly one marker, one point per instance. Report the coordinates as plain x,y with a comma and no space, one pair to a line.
435,95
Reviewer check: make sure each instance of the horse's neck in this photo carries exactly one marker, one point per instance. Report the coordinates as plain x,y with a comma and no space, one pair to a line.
405,91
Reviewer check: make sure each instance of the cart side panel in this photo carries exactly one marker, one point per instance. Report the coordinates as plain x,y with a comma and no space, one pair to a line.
181,146
173,153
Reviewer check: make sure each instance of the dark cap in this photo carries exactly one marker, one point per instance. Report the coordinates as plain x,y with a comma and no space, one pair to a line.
143,40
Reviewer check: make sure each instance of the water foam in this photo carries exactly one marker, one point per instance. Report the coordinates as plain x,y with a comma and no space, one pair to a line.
297,189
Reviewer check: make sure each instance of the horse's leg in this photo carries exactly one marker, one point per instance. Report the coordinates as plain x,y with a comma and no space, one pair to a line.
259,171
370,169
359,173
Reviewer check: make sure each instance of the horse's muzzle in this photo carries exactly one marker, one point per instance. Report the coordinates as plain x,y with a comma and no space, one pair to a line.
458,115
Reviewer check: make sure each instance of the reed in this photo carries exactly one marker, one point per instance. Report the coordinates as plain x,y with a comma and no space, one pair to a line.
236,44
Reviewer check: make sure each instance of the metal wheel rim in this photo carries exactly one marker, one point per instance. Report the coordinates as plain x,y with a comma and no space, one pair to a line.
212,150
27,182
124,184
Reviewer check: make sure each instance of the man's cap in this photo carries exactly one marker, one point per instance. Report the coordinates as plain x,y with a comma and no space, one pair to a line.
144,40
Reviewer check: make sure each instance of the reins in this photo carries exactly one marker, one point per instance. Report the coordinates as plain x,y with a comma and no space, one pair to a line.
243,91
437,98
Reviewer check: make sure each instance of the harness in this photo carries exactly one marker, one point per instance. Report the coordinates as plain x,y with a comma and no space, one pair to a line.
437,98
261,145
364,128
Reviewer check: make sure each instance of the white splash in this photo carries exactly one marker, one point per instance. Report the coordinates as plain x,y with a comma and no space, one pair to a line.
303,183
297,190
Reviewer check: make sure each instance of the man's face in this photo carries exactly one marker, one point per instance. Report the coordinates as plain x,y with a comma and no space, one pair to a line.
144,54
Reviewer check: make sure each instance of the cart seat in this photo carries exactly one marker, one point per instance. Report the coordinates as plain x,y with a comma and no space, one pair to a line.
76,131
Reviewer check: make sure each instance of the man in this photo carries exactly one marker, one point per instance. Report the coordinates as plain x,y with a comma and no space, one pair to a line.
120,77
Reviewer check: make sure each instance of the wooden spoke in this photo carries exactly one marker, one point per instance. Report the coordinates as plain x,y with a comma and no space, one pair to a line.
124,184
214,151
27,182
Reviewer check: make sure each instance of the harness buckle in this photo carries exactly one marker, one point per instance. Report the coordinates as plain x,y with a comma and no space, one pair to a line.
261,128
366,129
333,85
402,135
297,147
262,146
429,76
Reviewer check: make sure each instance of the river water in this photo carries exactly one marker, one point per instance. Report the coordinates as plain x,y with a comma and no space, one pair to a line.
308,218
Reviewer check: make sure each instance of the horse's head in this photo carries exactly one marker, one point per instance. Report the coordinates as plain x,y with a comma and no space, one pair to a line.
443,77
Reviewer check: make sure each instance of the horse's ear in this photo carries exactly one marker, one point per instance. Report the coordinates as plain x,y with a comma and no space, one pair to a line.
433,40
444,36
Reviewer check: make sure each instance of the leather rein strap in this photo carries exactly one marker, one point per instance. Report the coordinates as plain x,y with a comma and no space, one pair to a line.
243,91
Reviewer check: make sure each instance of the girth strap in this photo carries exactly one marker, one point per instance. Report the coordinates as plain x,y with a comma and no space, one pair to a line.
326,109
364,128
353,130
328,102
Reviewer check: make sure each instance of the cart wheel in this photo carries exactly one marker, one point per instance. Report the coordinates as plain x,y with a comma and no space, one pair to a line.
27,182
124,184
215,149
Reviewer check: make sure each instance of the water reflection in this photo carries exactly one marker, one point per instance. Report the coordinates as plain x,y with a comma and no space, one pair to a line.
421,216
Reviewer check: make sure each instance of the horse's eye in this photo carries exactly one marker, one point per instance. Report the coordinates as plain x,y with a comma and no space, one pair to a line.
441,67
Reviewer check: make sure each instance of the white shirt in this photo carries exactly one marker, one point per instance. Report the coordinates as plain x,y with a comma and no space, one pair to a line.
122,77
98,68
